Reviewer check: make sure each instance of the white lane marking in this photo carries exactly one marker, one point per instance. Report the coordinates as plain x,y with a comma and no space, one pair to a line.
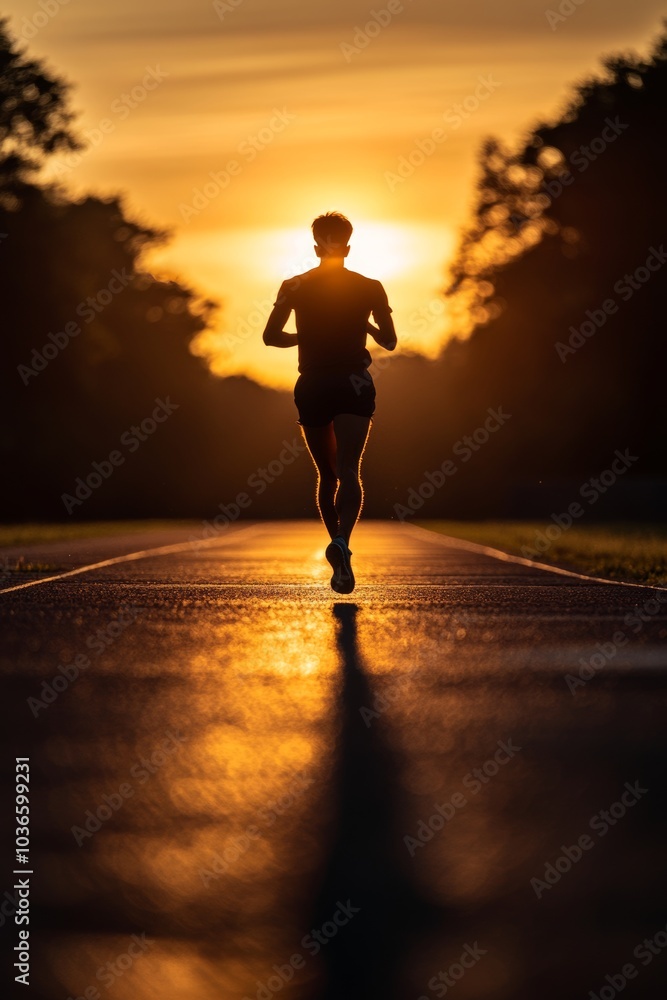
486,550
162,550
433,536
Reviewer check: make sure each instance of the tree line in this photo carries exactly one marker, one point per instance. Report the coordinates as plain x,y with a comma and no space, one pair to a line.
556,290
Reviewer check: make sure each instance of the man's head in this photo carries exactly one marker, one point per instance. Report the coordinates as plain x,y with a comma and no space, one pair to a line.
332,234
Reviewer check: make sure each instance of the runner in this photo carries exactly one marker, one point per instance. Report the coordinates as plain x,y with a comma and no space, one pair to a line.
334,393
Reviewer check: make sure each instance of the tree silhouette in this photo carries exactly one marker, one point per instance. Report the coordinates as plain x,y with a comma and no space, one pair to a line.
558,223
560,314
93,339
35,120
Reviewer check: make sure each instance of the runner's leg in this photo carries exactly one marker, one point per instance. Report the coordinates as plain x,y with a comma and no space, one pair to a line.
321,443
351,433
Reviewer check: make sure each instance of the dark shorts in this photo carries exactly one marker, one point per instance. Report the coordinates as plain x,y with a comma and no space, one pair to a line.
322,395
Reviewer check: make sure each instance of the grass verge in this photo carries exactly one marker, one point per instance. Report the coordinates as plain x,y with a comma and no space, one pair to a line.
34,534
627,551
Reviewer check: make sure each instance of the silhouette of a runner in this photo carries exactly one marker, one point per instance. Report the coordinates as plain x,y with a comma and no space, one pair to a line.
334,393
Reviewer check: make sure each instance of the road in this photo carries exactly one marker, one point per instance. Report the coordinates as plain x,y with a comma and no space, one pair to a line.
246,786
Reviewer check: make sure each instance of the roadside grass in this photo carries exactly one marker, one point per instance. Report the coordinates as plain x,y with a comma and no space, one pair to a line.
35,533
628,551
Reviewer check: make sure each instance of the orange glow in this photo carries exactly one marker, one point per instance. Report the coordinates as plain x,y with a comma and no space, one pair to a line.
407,258
349,123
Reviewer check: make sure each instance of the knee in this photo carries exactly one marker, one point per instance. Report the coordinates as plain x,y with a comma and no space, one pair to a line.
348,474
327,477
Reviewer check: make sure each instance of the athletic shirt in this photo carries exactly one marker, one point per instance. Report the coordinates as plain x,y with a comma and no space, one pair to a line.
332,307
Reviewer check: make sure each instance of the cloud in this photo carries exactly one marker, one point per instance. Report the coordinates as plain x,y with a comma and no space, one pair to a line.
123,20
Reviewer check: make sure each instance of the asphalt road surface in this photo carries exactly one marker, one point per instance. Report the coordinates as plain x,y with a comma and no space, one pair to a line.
449,783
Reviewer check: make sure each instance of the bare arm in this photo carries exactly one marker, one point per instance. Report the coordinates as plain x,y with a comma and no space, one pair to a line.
274,336
384,333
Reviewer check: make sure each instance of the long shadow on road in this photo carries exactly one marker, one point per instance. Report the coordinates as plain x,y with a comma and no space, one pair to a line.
576,759
363,888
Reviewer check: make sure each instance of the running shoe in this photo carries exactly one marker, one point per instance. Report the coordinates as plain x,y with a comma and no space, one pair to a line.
338,554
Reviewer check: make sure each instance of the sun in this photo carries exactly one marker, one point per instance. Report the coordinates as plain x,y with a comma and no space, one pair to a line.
378,249
249,264
381,250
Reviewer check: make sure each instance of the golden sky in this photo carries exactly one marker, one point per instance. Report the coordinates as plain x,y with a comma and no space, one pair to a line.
278,110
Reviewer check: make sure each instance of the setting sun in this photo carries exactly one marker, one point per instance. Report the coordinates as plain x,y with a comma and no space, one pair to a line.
309,133
377,248
409,259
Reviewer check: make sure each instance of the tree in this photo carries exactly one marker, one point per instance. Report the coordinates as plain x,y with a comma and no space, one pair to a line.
557,280
35,120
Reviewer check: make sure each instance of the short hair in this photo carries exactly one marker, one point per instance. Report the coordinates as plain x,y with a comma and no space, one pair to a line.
332,231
